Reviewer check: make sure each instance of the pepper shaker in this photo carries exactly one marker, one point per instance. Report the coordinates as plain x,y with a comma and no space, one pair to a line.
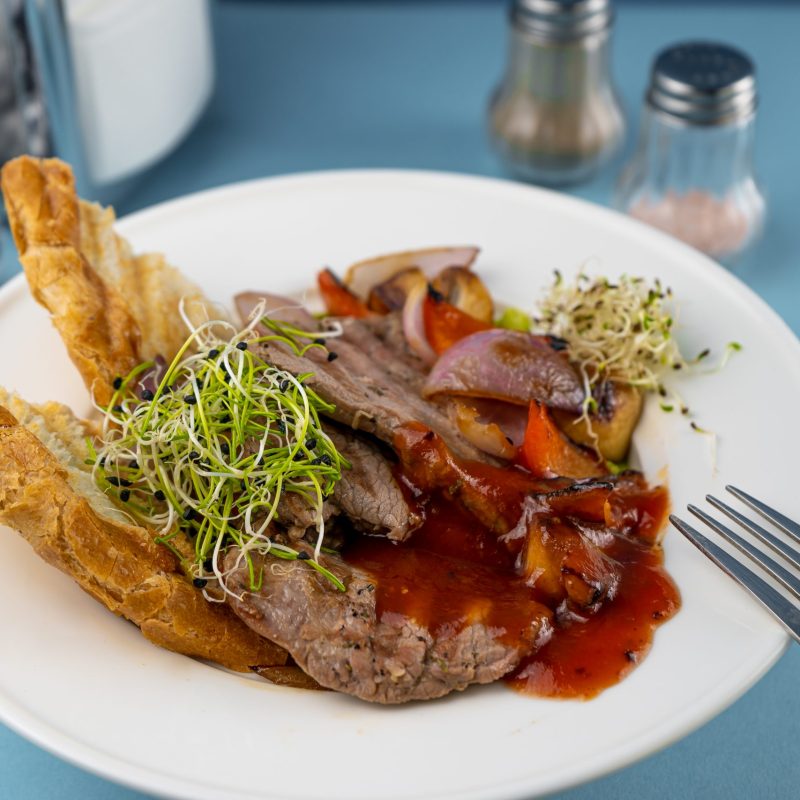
692,174
555,117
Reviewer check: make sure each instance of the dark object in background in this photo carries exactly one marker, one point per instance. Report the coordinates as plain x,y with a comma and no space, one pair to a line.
23,125
555,118
692,174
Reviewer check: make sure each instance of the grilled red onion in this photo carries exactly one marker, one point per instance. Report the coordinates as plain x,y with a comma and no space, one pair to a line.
507,365
414,323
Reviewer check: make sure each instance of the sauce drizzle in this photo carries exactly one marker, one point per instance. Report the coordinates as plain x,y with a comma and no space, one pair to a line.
569,574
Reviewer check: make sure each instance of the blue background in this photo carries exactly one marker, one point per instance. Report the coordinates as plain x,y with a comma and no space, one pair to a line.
306,86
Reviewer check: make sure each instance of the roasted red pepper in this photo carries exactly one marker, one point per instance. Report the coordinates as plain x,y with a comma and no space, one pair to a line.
338,299
445,324
547,453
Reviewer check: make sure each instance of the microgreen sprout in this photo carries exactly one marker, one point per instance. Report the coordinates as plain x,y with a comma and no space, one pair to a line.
210,443
621,332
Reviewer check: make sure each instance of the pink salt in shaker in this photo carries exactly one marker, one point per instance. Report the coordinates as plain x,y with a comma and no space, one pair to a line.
692,174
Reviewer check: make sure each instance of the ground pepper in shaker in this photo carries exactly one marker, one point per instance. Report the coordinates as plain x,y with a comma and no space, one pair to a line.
692,174
555,117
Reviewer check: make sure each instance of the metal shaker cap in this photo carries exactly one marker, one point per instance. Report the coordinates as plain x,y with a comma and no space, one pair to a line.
703,83
562,20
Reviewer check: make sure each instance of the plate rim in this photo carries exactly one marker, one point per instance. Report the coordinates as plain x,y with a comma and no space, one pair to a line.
95,760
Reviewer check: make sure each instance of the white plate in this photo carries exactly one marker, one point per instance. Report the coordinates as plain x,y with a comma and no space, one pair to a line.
87,686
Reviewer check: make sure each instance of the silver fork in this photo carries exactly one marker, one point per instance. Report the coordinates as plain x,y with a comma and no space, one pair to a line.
783,609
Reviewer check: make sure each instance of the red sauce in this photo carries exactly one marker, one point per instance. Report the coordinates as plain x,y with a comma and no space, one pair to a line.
602,590
453,572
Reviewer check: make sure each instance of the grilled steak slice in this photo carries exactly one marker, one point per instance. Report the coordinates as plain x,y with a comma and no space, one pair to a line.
337,639
297,515
388,329
368,494
356,373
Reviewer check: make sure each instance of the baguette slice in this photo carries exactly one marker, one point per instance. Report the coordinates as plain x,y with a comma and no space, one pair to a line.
112,309
48,495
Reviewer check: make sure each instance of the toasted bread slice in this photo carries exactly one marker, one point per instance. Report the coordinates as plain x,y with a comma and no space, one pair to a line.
48,495
112,309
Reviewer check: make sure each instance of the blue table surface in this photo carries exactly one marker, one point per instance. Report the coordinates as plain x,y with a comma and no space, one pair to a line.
308,86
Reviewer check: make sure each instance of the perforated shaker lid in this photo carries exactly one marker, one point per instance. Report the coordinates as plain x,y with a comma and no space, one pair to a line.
562,19
703,83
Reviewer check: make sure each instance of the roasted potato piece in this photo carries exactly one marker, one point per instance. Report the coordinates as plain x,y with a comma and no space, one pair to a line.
613,425
392,293
465,290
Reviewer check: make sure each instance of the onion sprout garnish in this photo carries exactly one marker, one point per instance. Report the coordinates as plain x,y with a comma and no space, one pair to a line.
211,442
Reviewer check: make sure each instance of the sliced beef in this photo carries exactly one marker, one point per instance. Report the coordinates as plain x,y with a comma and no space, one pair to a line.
297,515
337,639
368,493
388,328
371,390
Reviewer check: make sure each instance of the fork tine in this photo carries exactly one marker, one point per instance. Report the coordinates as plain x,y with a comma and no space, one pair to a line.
790,554
783,522
784,611
781,574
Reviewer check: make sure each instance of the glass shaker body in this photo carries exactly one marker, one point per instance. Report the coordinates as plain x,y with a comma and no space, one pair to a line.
694,177
555,118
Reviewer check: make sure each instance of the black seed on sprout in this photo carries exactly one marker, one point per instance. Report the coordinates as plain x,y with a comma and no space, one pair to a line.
194,456
326,459
241,346
213,353
124,482
159,495
284,384
200,582
332,356
117,384
281,425
117,409
133,464
114,481
190,399
303,556
189,514
125,495
226,450
311,443
102,461
318,341
147,394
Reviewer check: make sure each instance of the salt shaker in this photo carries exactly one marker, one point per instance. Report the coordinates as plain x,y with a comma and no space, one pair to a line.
692,174
555,118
